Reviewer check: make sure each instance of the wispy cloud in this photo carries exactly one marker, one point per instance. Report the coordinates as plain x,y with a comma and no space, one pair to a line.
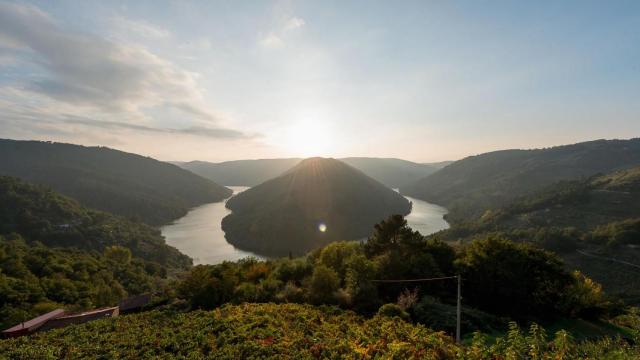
139,27
276,37
90,72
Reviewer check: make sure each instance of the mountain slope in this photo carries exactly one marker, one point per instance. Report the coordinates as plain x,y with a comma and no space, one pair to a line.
394,173
241,172
284,214
470,186
391,172
110,180
580,204
39,214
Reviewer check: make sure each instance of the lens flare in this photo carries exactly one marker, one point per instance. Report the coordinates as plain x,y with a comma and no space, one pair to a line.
322,227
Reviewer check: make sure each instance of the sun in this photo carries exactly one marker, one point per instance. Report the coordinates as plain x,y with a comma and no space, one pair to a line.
308,138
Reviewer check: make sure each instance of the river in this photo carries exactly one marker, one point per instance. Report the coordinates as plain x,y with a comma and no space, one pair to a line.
199,233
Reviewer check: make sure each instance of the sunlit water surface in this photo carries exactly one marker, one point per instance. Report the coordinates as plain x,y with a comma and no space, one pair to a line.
199,233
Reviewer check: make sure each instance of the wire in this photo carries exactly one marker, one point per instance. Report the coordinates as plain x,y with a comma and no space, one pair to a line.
415,280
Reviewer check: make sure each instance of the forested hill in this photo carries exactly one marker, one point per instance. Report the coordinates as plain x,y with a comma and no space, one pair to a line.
241,172
391,172
470,186
284,214
40,214
581,204
121,183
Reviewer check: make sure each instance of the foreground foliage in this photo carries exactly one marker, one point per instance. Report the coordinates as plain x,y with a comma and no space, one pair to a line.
501,278
289,331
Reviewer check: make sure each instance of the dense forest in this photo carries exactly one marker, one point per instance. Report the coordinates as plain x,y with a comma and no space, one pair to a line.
40,214
56,253
101,178
311,205
472,185
594,224
393,173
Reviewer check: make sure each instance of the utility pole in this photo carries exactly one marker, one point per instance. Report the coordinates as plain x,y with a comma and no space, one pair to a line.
459,309
459,297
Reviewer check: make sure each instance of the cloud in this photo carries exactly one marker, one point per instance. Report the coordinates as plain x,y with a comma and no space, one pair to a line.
139,27
216,133
272,41
275,39
88,71
294,23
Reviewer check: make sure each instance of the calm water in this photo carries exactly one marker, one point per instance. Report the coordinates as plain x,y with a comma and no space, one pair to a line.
199,234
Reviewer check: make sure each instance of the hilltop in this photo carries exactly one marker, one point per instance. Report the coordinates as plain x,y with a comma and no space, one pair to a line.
391,172
472,185
284,214
110,180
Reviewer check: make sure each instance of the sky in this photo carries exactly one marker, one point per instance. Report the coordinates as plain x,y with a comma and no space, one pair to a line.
224,80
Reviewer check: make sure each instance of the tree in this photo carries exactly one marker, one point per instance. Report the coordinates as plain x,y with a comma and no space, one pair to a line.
118,254
512,279
323,284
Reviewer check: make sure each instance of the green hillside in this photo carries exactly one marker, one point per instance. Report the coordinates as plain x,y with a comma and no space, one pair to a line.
593,223
582,204
101,178
290,331
285,214
470,186
391,172
56,253
40,214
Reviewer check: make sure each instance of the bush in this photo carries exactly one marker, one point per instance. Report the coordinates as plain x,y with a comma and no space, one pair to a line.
392,310
323,284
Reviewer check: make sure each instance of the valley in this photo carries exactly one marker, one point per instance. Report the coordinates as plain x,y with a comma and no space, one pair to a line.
199,233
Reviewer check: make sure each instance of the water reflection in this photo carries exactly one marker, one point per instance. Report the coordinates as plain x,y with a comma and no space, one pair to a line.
199,233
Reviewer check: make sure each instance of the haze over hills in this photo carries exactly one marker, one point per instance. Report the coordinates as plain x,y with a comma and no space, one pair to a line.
241,172
122,183
316,202
470,186
391,172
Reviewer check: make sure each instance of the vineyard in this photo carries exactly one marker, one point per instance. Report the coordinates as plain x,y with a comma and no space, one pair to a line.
290,331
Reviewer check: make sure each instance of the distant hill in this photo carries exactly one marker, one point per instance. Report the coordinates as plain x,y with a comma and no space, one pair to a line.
241,172
470,186
391,172
284,214
122,183
39,214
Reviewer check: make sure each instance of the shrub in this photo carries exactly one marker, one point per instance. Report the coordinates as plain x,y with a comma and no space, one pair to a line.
392,310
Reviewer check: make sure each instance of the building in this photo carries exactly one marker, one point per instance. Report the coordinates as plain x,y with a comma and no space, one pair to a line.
32,325
134,303
83,317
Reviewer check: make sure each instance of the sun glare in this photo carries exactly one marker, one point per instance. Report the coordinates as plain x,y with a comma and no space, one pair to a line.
308,138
